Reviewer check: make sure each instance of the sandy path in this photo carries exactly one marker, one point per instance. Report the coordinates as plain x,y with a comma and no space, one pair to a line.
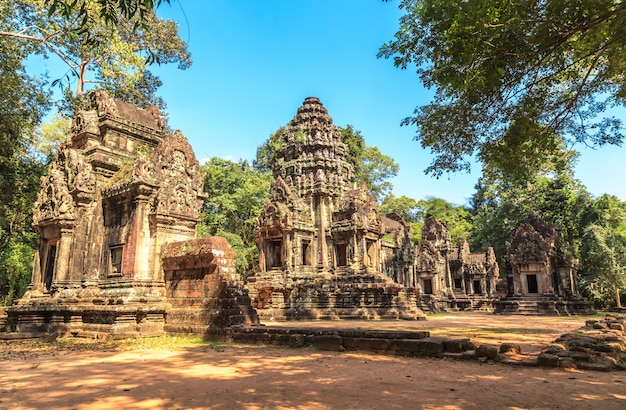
255,377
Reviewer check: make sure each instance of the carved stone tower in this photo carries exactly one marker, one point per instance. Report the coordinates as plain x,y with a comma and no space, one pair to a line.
121,188
320,238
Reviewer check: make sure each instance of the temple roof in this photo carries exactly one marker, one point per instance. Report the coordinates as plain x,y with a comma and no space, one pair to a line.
312,115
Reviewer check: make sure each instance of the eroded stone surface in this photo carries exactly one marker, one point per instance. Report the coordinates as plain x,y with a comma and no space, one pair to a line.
120,188
541,276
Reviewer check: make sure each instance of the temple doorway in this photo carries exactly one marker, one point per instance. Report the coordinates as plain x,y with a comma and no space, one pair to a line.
49,272
532,283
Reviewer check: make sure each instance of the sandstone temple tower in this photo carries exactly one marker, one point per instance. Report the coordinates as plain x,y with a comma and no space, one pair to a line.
321,240
541,276
120,189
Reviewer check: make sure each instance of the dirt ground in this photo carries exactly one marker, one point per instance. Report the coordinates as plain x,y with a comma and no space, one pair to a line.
226,376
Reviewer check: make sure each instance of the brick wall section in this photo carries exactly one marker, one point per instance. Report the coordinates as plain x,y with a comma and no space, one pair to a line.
203,287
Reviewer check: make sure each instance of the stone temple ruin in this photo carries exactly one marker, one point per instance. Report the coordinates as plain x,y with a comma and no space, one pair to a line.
541,276
326,252
320,239
453,277
117,256
121,189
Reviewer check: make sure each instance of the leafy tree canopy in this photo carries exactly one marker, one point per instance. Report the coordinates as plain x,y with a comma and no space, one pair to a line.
502,199
513,79
108,10
236,194
24,102
603,251
115,57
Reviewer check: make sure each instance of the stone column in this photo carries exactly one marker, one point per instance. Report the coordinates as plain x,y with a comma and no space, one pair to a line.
64,244
141,239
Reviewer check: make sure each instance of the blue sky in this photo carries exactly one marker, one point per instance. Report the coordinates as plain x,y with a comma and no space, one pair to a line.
255,61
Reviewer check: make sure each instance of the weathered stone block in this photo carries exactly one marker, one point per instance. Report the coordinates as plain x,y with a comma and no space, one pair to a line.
455,345
608,347
328,342
548,360
508,348
490,352
373,345
296,340
600,365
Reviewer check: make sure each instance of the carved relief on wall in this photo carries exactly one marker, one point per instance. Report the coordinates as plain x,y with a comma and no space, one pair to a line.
103,103
85,121
361,208
178,173
68,174
427,259
528,245
436,231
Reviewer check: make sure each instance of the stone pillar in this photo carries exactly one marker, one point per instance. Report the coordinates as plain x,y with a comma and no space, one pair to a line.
321,236
61,271
141,238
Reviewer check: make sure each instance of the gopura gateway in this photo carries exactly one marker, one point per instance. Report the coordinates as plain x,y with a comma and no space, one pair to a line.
541,276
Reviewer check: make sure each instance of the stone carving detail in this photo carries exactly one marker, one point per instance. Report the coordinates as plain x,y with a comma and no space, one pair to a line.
428,257
532,241
313,227
179,176
541,276
103,103
68,175
54,200
85,121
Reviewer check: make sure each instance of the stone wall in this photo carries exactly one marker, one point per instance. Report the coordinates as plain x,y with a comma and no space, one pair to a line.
203,288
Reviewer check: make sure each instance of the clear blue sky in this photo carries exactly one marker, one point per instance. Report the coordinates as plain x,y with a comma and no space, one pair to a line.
255,61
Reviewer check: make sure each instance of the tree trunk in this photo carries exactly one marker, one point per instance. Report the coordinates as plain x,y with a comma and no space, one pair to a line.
80,87
618,300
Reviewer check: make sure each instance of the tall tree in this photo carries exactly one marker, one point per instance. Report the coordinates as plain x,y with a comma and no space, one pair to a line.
116,56
236,194
549,188
370,165
603,251
23,103
513,74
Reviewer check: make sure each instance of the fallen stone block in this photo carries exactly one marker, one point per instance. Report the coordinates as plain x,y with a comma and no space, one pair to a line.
490,352
455,345
548,360
600,365
508,348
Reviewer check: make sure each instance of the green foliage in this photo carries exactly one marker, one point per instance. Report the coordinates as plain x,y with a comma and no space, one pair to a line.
109,10
371,166
50,136
549,188
116,56
408,208
16,264
23,105
458,218
266,152
237,193
603,251
512,79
